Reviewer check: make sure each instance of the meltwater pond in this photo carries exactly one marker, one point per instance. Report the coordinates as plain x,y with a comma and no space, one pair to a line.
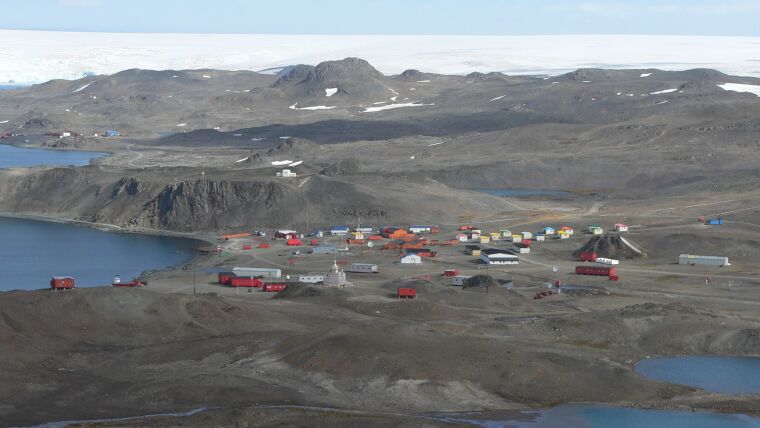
33,251
22,157
728,375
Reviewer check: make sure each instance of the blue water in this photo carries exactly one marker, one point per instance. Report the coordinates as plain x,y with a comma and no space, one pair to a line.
599,416
18,157
518,192
33,251
729,375
6,87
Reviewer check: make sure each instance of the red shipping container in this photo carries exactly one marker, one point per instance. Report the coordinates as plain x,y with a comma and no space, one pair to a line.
314,242
274,287
595,270
406,293
225,277
263,245
375,238
451,272
242,281
355,241
61,282
247,247
293,242
526,242
587,257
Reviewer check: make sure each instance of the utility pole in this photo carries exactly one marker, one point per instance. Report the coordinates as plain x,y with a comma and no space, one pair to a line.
193,279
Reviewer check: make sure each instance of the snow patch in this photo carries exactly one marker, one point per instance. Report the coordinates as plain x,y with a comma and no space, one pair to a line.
664,91
423,81
282,162
242,160
435,144
645,74
296,163
662,102
498,98
181,124
206,76
394,106
411,157
380,102
394,98
741,87
4,121
330,91
82,88
295,107
586,81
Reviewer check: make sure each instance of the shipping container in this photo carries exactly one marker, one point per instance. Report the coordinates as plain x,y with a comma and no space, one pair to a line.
247,247
715,221
406,293
61,282
595,270
263,245
225,277
274,287
293,242
245,281
587,257
451,272
362,268
606,261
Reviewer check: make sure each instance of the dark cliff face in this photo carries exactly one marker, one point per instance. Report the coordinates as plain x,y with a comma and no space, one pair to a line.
209,204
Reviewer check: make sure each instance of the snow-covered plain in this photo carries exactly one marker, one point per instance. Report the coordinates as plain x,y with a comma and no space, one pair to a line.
37,56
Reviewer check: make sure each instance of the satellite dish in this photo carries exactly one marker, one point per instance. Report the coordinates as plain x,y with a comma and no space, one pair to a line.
370,244
555,269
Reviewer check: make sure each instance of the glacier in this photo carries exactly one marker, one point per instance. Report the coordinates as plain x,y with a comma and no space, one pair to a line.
37,56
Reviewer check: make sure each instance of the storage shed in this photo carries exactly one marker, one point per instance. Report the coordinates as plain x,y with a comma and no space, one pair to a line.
411,259
692,260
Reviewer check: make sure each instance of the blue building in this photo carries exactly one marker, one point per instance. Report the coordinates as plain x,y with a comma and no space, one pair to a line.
112,133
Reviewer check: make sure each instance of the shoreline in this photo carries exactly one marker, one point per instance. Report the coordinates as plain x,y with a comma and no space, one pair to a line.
207,237
196,257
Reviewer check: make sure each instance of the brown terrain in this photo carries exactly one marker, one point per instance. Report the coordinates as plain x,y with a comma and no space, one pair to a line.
357,356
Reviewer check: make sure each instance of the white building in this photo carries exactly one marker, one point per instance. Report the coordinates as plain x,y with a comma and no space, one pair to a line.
497,257
459,279
362,268
286,173
411,259
691,260
620,227
311,278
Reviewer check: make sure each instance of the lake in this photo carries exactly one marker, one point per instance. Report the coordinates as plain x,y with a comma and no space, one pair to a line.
729,375
523,193
22,157
600,416
33,251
